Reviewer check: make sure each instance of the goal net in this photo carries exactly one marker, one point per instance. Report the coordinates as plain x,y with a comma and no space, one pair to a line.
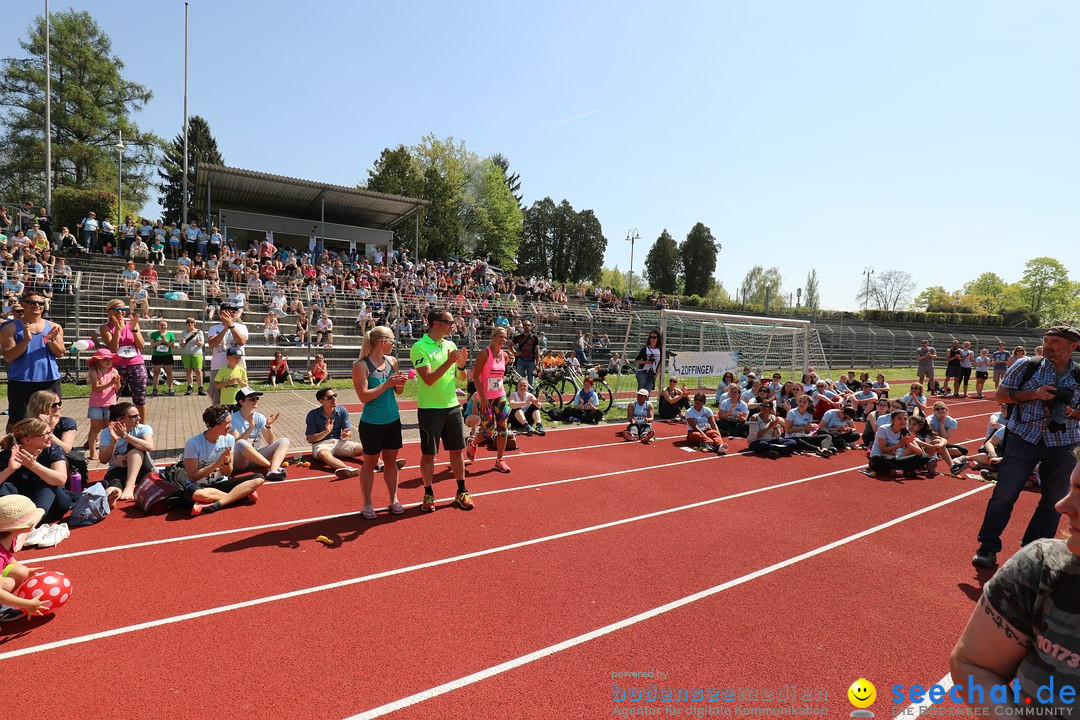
705,345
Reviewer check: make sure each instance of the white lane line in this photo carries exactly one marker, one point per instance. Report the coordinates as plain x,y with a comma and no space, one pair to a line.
413,568
916,709
641,617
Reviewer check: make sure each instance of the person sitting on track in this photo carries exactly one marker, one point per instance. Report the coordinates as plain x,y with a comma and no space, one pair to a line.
32,465
865,400
701,430
881,386
839,423
928,443
47,405
824,399
915,401
766,434
673,401
329,432
525,410
248,426
126,445
874,420
586,405
943,425
378,380
726,382
208,463
799,426
639,418
732,413
1026,621
888,454
489,369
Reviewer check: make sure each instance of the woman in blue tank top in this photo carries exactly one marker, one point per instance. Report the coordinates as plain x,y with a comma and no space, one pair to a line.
376,379
30,347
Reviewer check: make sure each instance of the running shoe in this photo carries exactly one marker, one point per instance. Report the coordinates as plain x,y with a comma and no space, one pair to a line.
501,466
539,429
627,436
648,437
429,503
772,455
276,475
205,508
959,466
36,535
55,535
202,392
189,389
464,501
7,614
528,430
470,450
931,468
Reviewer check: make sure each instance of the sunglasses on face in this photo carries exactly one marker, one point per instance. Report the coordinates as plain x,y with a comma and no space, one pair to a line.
57,404
121,310
35,303
329,397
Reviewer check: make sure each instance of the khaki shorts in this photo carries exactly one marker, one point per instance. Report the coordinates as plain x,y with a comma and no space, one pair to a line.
338,448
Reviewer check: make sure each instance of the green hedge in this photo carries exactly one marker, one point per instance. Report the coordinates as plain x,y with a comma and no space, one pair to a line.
933,318
70,205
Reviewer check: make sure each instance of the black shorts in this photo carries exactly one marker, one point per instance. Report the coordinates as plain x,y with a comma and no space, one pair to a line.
117,476
160,360
376,438
440,424
952,371
226,485
19,394
981,374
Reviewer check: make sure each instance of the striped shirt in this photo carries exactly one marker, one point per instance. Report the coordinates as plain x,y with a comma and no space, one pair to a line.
1029,419
1038,592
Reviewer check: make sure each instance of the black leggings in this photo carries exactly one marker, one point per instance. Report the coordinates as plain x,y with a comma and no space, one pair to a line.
812,443
841,440
668,411
590,416
532,416
882,464
784,446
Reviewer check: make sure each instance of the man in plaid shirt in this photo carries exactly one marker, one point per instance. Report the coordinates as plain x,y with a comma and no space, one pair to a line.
1031,442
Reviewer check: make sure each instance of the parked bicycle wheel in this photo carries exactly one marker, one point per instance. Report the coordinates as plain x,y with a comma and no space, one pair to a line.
603,395
547,393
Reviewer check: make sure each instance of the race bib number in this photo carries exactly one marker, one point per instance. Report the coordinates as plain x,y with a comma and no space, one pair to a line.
164,349
639,420
127,351
493,384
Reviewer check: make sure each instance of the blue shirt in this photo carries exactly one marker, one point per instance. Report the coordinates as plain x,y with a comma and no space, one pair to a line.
698,420
1001,358
800,422
1029,419
935,424
734,408
249,431
206,452
833,419
316,422
37,364
585,399
105,439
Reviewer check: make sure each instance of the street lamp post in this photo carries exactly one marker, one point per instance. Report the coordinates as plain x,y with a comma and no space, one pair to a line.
120,148
867,271
632,236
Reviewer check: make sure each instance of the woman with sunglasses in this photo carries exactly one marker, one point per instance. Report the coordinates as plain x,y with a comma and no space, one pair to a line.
279,371
31,465
377,380
648,362
126,445
123,336
30,347
47,405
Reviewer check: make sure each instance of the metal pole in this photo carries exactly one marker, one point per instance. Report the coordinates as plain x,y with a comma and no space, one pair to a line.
417,256
48,116
185,200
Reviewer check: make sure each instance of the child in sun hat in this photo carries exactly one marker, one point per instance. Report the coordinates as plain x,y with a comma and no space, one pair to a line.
104,382
18,516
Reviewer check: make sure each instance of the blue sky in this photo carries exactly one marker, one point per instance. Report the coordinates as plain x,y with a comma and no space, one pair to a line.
938,138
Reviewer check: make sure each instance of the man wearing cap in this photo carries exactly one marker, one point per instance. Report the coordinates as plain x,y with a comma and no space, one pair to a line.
228,333
18,516
1034,395
248,427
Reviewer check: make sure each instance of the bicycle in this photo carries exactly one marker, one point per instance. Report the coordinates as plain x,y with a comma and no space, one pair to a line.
572,379
547,392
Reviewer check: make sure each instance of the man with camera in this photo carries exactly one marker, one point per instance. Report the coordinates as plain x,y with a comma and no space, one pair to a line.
1042,430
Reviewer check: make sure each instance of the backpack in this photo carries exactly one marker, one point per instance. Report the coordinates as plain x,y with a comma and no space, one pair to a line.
156,487
1029,372
91,507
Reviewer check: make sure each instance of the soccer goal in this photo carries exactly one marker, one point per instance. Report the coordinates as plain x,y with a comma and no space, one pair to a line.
703,344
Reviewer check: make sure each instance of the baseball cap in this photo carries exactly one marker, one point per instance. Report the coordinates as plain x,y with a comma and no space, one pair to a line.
643,393
246,392
235,351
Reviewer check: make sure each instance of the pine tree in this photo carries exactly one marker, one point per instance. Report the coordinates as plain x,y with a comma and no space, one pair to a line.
698,254
663,265
202,150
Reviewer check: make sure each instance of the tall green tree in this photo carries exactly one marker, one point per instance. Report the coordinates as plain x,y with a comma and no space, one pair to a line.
561,243
202,150
698,254
398,172
988,290
1045,288
92,103
762,284
512,180
494,218
812,293
443,232
663,264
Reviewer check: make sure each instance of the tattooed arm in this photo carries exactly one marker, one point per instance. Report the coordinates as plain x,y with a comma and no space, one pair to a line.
989,650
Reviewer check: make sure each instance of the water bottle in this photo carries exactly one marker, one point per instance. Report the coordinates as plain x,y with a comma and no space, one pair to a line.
75,482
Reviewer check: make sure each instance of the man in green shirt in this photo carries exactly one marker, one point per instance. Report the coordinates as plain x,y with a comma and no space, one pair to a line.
439,363
162,343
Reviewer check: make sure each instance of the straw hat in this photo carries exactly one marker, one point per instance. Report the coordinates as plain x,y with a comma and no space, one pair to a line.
18,513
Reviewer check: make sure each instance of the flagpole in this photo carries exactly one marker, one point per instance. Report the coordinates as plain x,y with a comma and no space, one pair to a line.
185,199
48,117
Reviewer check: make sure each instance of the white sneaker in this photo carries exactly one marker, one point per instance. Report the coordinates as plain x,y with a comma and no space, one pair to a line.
56,535
36,535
